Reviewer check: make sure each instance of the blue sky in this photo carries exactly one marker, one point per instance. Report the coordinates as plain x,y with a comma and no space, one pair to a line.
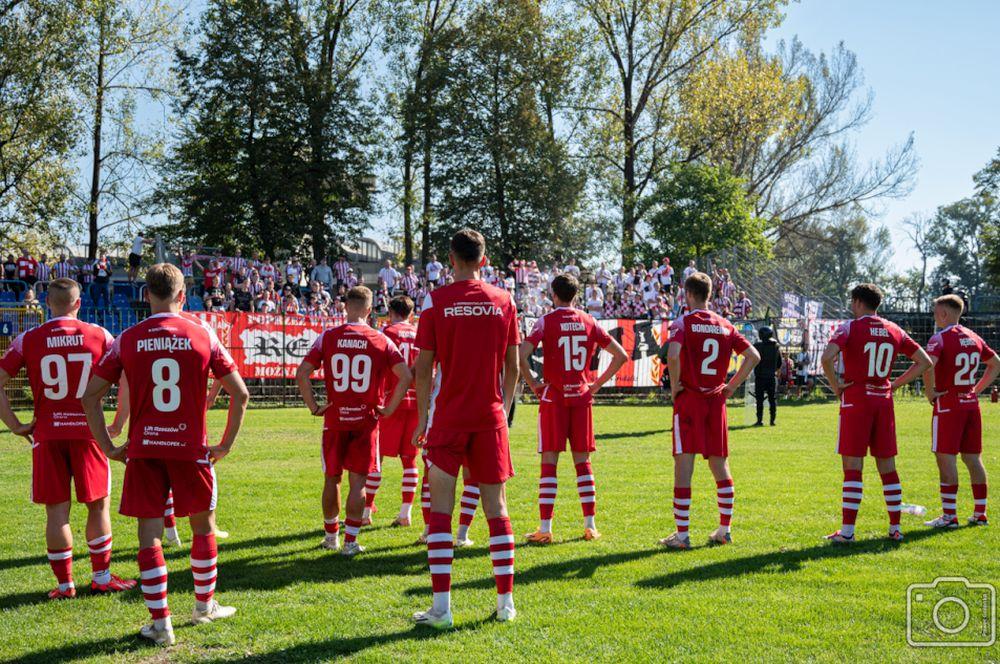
933,67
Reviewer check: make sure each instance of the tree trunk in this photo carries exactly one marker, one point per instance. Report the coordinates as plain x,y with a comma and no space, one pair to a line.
408,202
95,172
425,216
628,184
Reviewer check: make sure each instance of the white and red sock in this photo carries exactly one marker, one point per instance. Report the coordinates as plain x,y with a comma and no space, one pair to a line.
440,552
587,491
725,494
469,503
411,476
100,558
425,499
893,492
61,562
153,582
851,494
682,509
979,500
949,498
204,556
351,529
332,527
169,520
502,555
547,488
371,488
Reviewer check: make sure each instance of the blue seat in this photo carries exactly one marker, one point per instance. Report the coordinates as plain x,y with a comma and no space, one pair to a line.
195,303
7,296
42,296
123,288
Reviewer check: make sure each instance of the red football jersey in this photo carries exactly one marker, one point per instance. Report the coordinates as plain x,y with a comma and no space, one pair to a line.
59,355
166,359
569,339
868,346
404,335
355,360
959,352
707,341
469,325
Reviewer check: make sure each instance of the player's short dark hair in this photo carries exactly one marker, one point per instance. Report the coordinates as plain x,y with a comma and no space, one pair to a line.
360,295
468,245
401,305
61,292
869,295
699,285
953,302
565,287
164,281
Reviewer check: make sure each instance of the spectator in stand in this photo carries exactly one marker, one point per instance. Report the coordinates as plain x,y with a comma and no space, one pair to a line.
650,291
533,279
27,268
243,298
187,268
728,287
101,288
266,304
409,282
255,261
743,308
665,274
43,273
388,276
803,382
63,269
293,272
722,305
433,271
10,271
620,280
351,280
946,288
30,300
420,294
611,305
228,298
323,274
603,277
317,292
209,274
689,270
240,277
268,270
290,304
340,270
255,284
340,308
571,268
506,282
595,300
291,285
135,256
236,263
519,268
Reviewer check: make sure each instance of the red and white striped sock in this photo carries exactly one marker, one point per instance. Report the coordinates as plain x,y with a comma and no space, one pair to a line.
100,558
371,488
469,503
425,498
61,562
547,487
893,492
411,476
725,493
587,490
682,508
851,494
332,527
440,552
979,500
168,512
949,496
351,529
153,582
204,556
502,555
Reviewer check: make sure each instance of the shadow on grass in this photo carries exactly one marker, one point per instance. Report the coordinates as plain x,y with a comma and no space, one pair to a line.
629,434
779,561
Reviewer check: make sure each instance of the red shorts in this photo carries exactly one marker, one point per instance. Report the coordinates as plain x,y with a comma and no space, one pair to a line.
867,424
485,454
353,449
55,462
395,434
559,421
147,482
957,431
700,425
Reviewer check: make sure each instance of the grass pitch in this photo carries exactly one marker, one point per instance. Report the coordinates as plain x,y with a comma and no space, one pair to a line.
778,593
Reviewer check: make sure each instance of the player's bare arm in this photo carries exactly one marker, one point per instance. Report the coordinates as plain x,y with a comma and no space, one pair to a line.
929,391
302,375
121,410
921,364
7,414
989,376
404,377
674,369
829,362
92,402
423,369
524,353
618,360
510,377
239,396
213,393
750,359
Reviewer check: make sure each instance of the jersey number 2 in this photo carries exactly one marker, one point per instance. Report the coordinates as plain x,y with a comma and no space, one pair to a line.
967,365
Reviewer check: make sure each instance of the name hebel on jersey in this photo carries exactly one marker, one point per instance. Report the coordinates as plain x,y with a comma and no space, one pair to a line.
475,309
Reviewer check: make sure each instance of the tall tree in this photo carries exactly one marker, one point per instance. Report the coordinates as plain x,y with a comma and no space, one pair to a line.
921,231
961,242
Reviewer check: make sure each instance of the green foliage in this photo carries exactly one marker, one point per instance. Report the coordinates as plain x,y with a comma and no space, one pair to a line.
698,210
962,242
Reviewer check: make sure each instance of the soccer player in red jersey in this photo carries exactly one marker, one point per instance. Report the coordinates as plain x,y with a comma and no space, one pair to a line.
167,360
395,434
570,339
957,425
867,347
470,328
58,356
698,353
356,360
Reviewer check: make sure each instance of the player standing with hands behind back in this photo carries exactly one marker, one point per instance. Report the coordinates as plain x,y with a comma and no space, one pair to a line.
867,347
166,360
470,328
700,346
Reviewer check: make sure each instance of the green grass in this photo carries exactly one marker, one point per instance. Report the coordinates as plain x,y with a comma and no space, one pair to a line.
778,593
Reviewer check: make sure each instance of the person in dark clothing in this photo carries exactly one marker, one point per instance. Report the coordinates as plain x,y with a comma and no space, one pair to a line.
765,373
